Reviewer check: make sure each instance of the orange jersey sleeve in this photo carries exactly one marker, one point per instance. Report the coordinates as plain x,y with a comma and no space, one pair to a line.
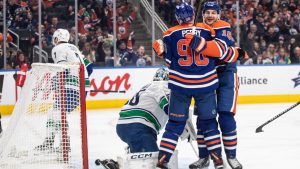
219,49
214,48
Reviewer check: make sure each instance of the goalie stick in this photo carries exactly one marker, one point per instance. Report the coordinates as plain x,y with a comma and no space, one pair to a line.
259,129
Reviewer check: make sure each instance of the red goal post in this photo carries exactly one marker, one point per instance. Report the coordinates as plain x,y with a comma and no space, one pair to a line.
48,124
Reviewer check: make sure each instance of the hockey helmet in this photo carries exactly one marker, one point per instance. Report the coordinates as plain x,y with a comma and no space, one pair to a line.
212,6
184,13
162,74
60,35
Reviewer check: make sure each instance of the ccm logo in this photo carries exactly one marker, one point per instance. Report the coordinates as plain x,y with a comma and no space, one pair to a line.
138,156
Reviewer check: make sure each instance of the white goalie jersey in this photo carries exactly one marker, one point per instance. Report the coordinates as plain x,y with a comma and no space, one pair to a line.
149,106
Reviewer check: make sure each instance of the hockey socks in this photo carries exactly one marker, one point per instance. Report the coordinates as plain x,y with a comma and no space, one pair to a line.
167,146
229,135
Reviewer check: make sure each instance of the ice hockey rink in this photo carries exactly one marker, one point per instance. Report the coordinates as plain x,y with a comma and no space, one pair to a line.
277,147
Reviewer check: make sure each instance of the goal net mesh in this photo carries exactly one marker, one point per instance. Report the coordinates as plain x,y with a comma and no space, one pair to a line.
45,129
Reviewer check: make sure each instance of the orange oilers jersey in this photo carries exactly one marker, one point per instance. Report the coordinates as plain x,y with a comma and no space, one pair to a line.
190,72
224,34
221,46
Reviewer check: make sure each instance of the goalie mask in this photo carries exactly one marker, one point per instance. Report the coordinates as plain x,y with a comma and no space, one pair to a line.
60,35
162,74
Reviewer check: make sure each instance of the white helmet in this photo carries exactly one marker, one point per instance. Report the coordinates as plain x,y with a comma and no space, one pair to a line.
62,35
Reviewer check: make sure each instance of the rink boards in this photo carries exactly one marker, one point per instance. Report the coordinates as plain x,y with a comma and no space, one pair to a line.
111,87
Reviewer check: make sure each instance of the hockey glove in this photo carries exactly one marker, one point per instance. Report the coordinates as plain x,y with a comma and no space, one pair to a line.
195,42
242,54
158,47
88,65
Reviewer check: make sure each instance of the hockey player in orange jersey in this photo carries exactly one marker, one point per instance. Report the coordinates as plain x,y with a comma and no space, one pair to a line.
192,74
226,96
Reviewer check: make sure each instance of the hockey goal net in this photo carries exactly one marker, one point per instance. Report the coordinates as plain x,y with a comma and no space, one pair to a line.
48,126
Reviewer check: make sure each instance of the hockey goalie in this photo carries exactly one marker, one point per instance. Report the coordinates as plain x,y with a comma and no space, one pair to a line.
47,120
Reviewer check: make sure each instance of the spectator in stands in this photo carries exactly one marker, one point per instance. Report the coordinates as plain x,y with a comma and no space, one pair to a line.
54,22
282,57
295,55
143,57
281,43
271,51
20,60
122,27
258,21
103,37
88,52
70,14
31,22
271,35
255,52
126,54
265,58
109,60
248,43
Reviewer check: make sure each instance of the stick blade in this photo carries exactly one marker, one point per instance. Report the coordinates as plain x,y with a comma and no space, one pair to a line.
259,130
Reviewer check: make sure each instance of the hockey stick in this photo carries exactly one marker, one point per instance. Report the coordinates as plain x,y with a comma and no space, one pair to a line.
109,91
259,129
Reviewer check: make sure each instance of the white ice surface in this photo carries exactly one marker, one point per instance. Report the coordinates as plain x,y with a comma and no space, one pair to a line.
278,147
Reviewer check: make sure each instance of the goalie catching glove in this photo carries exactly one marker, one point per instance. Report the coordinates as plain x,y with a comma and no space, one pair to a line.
195,42
158,47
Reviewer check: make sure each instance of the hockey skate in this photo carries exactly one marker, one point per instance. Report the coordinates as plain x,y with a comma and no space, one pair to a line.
217,159
162,164
202,163
234,163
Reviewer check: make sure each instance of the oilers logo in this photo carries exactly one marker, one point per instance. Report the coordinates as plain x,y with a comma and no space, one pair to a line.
122,30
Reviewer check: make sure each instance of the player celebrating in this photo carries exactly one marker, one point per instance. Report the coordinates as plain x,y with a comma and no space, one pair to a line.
226,94
186,78
191,75
142,117
64,53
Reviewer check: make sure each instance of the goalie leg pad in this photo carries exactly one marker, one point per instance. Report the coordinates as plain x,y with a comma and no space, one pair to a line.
145,160
139,137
